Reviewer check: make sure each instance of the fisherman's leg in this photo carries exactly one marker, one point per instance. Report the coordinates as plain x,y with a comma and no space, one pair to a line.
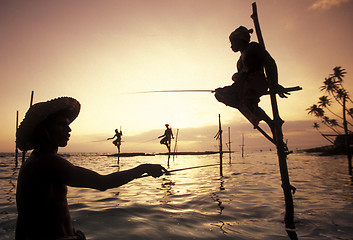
262,116
251,101
227,95
255,114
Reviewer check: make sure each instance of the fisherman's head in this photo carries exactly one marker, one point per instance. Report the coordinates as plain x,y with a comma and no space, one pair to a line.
166,125
47,124
240,38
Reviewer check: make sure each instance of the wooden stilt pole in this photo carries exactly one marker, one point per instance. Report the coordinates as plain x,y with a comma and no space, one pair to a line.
168,146
16,148
118,155
229,147
119,145
220,146
31,102
176,142
30,105
281,148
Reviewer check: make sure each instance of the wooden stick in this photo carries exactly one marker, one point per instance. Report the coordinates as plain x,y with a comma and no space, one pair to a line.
176,142
16,148
281,148
31,102
229,147
254,16
220,146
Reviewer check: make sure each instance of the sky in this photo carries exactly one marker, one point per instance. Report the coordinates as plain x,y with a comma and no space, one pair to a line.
103,52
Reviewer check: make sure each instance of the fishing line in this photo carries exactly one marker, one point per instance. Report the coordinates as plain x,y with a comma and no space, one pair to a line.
98,141
182,169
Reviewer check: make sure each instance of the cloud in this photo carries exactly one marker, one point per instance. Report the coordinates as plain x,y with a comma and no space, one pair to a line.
327,4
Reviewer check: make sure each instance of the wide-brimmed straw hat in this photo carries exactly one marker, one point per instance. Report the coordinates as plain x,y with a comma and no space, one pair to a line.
241,33
40,112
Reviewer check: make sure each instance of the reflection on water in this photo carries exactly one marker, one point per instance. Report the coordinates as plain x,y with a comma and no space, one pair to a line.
246,203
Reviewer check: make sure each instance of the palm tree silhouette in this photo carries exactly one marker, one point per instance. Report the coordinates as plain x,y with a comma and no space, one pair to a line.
333,86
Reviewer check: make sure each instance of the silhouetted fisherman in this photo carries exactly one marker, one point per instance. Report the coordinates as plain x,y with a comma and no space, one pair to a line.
43,212
117,141
250,82
167,137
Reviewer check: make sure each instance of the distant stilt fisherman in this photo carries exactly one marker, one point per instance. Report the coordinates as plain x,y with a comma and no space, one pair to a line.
167,137
117,141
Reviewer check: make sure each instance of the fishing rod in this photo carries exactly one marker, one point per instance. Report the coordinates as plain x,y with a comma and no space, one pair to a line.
101,141
98,141
285,90
182,169
185,90
150,140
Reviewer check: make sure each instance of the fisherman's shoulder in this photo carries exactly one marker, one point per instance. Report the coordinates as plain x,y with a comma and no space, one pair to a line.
254,46
48,159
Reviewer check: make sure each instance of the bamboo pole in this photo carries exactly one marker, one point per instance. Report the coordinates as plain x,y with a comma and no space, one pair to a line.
229,147
176,142
31,102
16,148
281,148
119,145
220,146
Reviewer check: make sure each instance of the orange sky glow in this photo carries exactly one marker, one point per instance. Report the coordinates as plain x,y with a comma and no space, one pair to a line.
103,52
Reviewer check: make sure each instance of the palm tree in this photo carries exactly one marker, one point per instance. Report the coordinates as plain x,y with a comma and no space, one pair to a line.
330,85
338,72
316,110
325,102
341,94
333,85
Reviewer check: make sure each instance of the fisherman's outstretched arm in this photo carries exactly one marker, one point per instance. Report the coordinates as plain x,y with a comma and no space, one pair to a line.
91,179
76,176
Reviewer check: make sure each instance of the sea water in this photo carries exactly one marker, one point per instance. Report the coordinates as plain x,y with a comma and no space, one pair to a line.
247,202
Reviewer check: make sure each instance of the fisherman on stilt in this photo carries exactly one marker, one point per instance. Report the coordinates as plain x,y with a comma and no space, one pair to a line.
166,137
117,141
250,82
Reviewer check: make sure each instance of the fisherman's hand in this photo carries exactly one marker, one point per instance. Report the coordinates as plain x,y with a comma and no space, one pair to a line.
154,170
281,91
